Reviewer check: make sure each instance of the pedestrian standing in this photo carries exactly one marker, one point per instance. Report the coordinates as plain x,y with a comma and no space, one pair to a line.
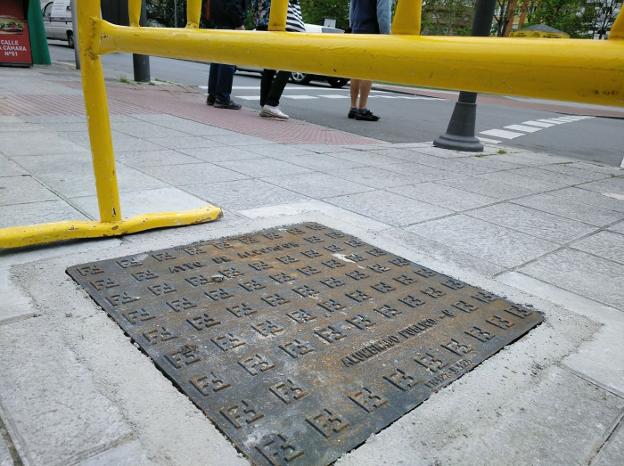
224,14
366,17
273,82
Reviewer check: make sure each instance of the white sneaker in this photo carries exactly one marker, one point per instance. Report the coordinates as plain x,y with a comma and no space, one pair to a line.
273,112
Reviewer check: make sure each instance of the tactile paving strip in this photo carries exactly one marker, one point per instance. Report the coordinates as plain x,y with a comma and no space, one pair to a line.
300,342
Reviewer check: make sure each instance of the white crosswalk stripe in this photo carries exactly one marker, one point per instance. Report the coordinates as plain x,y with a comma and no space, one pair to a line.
539,124
526,129
300,97
334,96
488,140
501,133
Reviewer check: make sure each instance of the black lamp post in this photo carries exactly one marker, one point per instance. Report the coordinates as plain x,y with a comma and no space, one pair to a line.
460,134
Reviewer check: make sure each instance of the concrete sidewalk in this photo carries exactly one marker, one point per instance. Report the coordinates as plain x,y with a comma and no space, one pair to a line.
541,230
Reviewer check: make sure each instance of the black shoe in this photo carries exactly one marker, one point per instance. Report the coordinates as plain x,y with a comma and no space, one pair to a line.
366,115
354,111
210,100
231,105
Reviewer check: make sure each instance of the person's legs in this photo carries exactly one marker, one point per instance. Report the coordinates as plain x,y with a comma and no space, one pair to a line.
225,78
354,91
364,91
212,83
277,88
265,85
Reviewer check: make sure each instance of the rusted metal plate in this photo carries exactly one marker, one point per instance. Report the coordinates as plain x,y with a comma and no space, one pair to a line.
299,342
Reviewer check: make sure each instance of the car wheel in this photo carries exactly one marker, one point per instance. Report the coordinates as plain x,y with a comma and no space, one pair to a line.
337,82
70,39
299,78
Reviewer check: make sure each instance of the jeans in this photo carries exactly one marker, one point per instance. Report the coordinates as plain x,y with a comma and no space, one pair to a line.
220,81
272,85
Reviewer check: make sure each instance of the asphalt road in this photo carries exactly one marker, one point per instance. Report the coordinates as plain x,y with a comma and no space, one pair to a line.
406,118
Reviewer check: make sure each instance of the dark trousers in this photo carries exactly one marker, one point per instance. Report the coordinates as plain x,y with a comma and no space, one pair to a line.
272,85
221,76
220,81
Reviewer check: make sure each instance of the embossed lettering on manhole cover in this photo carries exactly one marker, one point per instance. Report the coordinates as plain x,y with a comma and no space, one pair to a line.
299,342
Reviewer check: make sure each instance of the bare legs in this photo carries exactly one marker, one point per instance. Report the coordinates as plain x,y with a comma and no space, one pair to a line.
359,93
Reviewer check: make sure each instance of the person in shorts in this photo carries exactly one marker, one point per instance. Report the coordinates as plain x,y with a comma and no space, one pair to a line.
366,17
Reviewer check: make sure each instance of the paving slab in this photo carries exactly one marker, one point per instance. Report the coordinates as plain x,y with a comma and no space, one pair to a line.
444,196
431,250
446,153
325,162
373,158
485,187
540,415
221,153
612,187
143,202
422,173
38,212
181,124
583,196
563,206
139,159
618,227
22,190
605,244
389,208
582,172
192,173
76,163
238,139
71,185
51,429
10,168
582,273
318,185
533,222
278,150
535,184
375,177
530,158
130,453
490,242
243,194
38,143
185,142
598,359
145,130
5,455
612,452
260,168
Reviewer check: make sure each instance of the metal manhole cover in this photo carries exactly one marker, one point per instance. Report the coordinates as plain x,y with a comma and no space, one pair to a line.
300,342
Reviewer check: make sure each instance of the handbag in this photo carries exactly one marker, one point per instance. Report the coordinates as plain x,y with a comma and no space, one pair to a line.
294,20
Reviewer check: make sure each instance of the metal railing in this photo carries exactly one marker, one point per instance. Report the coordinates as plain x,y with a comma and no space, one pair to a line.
586,71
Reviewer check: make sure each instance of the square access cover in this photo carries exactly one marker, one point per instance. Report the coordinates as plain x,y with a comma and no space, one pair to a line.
300,342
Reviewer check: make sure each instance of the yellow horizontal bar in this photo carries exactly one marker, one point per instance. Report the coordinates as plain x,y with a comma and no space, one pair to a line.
21,236
563,69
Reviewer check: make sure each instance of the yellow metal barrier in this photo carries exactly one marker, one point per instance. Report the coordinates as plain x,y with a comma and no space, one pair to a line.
567,69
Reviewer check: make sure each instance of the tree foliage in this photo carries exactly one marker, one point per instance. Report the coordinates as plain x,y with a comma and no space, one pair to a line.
315,11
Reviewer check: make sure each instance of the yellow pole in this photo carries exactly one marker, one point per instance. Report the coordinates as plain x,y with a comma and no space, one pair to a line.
407,17
97,113
193,13
588,71
277,15
134,12
617,30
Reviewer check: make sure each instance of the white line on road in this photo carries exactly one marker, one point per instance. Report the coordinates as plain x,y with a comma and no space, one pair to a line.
526,129
501,133
300,97
334,96
552,120
248,97
488,141
539,124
